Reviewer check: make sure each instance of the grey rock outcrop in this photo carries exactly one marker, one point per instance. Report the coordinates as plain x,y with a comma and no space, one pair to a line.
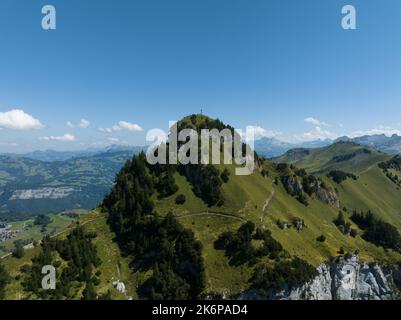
328,196
355,281
343,279
296,186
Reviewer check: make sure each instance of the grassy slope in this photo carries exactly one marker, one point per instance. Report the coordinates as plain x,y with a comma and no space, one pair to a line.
374,191
114,265
220,276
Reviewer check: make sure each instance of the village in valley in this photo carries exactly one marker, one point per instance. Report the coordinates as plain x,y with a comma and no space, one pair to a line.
6,233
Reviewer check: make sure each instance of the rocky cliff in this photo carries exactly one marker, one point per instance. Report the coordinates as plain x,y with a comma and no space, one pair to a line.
299,187
343,279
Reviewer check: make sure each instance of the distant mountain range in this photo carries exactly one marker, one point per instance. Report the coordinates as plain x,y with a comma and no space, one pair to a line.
390,145
266,147
53,155
272,147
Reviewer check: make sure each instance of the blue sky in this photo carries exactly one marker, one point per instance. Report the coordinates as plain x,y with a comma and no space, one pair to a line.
123,66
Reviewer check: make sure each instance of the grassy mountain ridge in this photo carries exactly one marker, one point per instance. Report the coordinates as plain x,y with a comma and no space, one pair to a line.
346,156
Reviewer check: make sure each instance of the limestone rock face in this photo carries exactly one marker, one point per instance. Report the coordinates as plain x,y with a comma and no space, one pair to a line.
320,287
292,184
328,196
355,281
344,279
316,189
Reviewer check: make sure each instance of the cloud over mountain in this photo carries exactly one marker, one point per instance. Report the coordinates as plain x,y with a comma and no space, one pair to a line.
317,134
83,124
315,122
122,125
65,138
17,119
129,126
260,132
386,130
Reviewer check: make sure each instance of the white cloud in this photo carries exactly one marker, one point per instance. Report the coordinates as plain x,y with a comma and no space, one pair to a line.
317,134
65,138
129,126
315,122
113,140
106,130
386,130
83,124
8,144
260,132
122,125
19,120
